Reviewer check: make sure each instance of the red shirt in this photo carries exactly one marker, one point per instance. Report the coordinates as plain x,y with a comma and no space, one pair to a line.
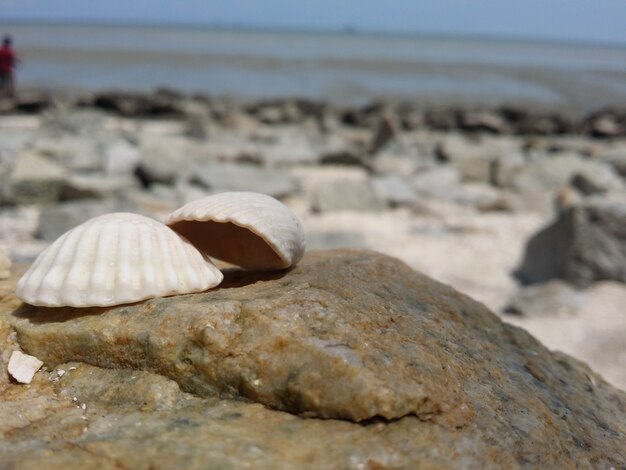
7,59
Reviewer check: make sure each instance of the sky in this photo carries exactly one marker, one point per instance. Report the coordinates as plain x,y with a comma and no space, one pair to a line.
595,21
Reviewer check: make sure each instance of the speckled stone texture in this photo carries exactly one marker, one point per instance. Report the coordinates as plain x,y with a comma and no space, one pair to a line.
408,372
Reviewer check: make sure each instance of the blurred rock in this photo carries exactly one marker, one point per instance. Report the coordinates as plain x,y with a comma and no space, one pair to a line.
163,160
57,219
121,158
394,191
552,172
231,177
34,179
96,186
345,195
547,299
483,121
5,265
586,243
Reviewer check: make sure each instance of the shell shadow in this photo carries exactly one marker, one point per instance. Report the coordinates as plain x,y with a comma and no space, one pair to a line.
41,315
237,277
233,278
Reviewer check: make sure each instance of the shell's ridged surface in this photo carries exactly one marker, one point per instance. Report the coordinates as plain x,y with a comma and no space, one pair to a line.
249,229
115,259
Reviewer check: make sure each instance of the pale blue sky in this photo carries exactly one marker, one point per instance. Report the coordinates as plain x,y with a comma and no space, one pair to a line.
571,20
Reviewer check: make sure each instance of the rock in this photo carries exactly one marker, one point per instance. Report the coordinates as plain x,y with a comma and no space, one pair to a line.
5,265
163,160
63,123
616,157
385,131
344,157
547,299
57,219
552,172
229,177
605,126
135,104
94,186
345,195
482,160
121,158
394,191
334,239
34,179
420,375
440,182
23,367
77,154
483,121
586,243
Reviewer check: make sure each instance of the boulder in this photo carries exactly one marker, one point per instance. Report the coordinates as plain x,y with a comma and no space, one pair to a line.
486,160
550,172
551,298
136,104
484,121
57,219
5,265
243,177
34,179
586,243
394,191
346,194
407,372
72,152
95,186
121,158
163,160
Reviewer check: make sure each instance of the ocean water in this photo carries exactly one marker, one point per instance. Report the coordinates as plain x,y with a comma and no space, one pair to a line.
338,66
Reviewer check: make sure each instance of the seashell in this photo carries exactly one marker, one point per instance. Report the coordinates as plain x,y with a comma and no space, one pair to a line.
115,259
248,229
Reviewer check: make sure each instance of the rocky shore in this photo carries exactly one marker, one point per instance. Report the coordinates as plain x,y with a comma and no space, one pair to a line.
522,209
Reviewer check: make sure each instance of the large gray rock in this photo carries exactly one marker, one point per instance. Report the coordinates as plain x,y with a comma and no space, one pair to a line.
163,160
242,177
34,179
551,298
549,173
57,219
418,375
586,243
485,160
96,186
394,191
121,158
347,194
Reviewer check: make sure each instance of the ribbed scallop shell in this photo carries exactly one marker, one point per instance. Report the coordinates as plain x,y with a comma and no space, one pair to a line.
251,230
116,259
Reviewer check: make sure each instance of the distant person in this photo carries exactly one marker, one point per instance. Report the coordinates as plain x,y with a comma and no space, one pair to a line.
7,64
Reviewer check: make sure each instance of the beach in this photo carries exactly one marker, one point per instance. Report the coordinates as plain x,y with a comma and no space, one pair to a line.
454,193
445,253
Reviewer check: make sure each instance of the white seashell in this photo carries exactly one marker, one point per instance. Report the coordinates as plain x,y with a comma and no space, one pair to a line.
23,367
116,259
251,230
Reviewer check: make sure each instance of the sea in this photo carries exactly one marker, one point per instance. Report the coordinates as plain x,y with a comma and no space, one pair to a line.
345,66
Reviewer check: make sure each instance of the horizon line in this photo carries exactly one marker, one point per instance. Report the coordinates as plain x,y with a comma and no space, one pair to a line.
345,30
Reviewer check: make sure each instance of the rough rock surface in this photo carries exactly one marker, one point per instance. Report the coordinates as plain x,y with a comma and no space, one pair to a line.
5,265
350,335
586,243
